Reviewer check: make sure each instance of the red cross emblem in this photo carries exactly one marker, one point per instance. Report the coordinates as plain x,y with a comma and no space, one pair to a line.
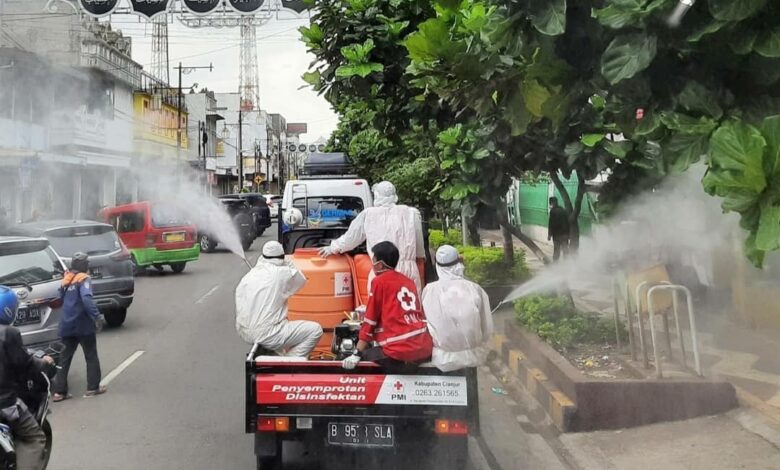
407,299
398,386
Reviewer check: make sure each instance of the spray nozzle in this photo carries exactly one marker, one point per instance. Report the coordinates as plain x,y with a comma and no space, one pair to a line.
679,11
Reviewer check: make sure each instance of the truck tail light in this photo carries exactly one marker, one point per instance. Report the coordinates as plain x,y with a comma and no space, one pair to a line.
451,427
266,424
281,424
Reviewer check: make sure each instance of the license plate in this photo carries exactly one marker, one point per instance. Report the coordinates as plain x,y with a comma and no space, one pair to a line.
368,435
27,316
174,237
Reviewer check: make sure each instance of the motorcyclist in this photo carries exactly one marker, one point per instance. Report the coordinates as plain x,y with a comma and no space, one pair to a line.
386,221
261,306
16,363
458,313
394,318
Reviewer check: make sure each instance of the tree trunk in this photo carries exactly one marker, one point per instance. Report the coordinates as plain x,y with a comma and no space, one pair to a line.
503,220
470,231
573,209
508,241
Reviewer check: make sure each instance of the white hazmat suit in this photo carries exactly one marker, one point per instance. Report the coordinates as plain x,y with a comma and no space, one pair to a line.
459,315
261,306
386,221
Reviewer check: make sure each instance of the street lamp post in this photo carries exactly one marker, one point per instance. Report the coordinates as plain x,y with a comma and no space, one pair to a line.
240,151
182,70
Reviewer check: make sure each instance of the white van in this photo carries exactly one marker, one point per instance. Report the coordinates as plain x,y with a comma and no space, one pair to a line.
328,206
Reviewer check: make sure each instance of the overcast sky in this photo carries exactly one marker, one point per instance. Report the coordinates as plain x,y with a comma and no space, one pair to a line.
282,59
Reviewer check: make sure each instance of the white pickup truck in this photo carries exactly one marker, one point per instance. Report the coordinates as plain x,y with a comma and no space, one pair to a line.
327,203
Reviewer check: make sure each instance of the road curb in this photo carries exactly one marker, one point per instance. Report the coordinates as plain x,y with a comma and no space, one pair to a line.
751,401
477,458
558,406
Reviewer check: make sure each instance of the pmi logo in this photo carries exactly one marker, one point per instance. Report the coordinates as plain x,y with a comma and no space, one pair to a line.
398,391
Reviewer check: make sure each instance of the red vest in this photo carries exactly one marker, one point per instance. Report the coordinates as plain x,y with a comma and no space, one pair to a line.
395,320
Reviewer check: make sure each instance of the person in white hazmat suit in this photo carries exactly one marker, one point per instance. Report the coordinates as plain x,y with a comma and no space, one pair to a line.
261,306
386,221
458,313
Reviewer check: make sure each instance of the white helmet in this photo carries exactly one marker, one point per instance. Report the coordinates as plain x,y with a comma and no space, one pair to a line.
273,249
447,255
385,194
293,217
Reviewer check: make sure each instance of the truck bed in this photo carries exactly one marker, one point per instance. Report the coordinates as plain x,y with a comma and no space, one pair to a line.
317,400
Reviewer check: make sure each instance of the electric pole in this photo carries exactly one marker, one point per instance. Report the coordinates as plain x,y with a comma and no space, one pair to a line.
240,151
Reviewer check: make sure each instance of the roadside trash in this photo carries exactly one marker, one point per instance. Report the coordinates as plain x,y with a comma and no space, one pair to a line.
499,391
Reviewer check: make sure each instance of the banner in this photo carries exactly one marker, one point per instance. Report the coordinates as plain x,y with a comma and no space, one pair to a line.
246,6
149,8
298,6
201,7
98,8
353,389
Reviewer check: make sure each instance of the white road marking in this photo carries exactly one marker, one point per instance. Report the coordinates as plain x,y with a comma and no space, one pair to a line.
207,295
120,368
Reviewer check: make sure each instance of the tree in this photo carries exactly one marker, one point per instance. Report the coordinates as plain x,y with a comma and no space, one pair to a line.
360,69
608,87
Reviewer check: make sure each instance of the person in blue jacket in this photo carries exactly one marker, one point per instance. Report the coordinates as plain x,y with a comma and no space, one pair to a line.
78,326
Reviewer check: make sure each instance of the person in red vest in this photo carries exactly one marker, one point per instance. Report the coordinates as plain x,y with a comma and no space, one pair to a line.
394,321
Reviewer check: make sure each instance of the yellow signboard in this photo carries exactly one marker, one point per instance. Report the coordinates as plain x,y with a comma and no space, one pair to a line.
259,179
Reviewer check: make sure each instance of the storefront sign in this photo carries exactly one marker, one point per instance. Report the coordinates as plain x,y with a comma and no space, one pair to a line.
98,7
297,128
149,8
297,6
201,7
246,6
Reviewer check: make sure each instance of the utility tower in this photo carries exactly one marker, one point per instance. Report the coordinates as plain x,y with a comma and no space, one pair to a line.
160,65
249,79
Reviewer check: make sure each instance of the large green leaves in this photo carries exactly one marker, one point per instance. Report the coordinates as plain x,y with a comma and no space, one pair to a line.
357,60
548,16
628,55
430,41
739,147
696,97
768,44
735,10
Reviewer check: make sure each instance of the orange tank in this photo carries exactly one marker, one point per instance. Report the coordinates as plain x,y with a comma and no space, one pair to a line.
328,293
363,267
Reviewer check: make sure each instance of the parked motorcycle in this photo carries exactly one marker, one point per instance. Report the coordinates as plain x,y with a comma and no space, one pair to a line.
36,394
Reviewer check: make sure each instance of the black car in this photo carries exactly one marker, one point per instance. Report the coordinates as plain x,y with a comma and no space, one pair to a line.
243,219
110,266
259,207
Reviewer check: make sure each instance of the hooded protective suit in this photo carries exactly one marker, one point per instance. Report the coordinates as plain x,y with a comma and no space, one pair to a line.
459,318
386,221
261,306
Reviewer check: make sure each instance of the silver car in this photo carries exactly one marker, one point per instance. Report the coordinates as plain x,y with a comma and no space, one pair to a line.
32,268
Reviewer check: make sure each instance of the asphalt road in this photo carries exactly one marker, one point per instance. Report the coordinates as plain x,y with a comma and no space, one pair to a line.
180,403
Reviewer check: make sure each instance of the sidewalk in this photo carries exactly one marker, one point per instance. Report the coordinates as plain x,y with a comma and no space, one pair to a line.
749,359
739,439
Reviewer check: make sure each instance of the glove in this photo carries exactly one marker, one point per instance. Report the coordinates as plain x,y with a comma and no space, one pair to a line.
351,362
326,251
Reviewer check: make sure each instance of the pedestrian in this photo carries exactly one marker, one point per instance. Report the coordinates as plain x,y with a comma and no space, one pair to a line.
261,306
458,313
558,229
386,221
394,319
79,324
15,364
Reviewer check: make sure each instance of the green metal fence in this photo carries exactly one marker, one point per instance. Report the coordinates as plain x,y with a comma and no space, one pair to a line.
528,205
